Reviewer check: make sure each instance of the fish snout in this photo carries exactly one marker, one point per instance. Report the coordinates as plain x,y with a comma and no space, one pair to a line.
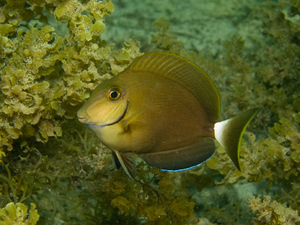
82,118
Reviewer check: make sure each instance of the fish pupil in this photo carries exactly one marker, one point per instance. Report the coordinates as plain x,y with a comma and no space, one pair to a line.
114,94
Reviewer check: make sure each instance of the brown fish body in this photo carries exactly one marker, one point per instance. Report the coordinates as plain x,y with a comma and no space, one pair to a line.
165,109
158,103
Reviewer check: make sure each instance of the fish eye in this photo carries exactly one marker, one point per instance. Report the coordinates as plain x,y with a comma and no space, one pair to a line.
114,93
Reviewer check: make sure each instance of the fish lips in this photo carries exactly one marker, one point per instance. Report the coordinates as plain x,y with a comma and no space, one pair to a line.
102,125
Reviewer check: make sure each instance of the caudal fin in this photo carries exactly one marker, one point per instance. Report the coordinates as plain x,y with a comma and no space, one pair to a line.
229,133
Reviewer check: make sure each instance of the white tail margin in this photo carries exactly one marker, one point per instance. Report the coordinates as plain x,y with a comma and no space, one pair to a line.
229,133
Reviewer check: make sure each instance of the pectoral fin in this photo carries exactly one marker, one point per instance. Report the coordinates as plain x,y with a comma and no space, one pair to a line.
182,158
127,161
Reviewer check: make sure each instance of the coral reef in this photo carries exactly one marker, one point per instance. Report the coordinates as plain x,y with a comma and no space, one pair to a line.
52,55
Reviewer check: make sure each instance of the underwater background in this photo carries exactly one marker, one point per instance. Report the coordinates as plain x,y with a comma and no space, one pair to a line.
53,53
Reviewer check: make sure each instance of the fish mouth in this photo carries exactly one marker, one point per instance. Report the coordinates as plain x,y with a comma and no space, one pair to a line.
112,123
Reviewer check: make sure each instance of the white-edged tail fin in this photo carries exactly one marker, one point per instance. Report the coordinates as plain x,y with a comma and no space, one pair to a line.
229,133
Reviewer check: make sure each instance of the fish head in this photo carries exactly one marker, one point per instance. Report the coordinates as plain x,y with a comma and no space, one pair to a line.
106,106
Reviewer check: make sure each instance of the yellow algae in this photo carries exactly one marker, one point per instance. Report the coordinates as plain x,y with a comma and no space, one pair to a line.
183,208
154,212
18,214
122,203
97,28
5,29
272,212
69,9
34,82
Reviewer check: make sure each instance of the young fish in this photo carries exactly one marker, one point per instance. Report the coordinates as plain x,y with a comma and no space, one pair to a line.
165,109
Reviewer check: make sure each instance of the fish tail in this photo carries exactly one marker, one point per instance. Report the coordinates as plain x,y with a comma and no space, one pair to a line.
229,133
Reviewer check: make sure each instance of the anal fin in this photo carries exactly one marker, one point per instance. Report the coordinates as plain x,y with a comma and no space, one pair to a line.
127,161
182,158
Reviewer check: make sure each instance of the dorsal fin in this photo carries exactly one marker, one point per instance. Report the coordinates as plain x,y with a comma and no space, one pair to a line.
185,73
